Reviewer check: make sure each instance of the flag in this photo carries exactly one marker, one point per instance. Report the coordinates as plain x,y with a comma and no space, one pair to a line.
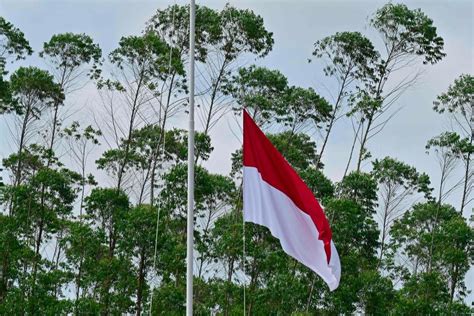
277,198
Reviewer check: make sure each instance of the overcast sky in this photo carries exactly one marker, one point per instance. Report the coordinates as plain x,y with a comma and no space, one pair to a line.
296,26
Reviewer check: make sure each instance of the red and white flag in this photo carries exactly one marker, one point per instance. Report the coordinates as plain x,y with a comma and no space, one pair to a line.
276,197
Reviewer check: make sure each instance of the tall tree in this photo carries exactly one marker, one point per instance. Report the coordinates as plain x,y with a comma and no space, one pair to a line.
435,239
457,102
241,32
350,58
107,209
141,63
408,36
259,90
449,150
69,55
397,183
13,46
33,91
171,25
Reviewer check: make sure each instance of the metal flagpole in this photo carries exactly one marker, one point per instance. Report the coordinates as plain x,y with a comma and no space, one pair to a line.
190,223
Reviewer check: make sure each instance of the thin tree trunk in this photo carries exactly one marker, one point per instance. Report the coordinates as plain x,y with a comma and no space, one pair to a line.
156,153
333,117
229,280
206,230
352,151
364,141
78,286
466,180
141,282
22,144
130,130
441,182
213,97
385,224
453,283
380,84
55,118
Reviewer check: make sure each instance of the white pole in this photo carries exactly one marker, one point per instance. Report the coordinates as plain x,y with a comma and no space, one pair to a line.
190,228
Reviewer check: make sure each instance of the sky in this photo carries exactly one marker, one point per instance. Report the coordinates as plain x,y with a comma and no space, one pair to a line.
296,25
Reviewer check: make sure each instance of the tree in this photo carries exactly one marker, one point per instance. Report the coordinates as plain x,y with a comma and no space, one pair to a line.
259,90
139,238
41,205
141,148
361,188
106,210
141,63
397,182
240,32
408,36
81,144
350,58
171,25
33,91
13,45
449,149
457,101
435,239
69,54
300,107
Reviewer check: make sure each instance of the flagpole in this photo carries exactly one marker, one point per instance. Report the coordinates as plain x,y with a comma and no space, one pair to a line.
190,222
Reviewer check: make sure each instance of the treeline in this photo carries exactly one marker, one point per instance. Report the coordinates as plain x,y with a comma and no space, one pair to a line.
72,242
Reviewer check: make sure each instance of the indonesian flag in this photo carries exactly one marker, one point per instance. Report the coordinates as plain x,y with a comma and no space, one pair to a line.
276,197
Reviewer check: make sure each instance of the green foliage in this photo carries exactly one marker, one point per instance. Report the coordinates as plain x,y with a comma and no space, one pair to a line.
243,31
143,145
451,145
319,184
69,51
32,89
361,188
351,54
435,238
146,57
394,173
300,106
171,24
458,97
409,32
259,90
298,149
13,43
425,294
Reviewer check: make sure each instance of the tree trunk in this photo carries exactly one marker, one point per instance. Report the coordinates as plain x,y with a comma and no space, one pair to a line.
55,118
385,225
78,286
364,141
141,282
352,151
22,144
156,153
466,180
213,97
229,280
333,117
130,130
